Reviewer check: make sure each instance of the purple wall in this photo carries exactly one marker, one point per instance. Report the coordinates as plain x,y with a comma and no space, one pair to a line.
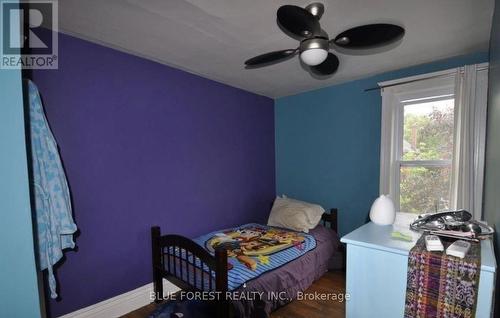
144,144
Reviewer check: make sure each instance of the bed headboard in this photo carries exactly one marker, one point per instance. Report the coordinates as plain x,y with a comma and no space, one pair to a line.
331,218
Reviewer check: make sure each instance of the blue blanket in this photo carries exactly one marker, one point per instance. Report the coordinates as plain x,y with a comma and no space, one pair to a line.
266,247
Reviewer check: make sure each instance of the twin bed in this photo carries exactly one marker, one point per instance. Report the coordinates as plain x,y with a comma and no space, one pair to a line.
275,266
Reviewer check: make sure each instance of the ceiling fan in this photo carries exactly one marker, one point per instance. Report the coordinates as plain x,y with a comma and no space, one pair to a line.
303,24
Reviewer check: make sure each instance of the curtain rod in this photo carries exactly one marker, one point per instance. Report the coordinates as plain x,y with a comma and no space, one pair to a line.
407,82
420,79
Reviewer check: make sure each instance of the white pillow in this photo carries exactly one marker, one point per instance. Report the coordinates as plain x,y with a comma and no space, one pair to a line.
294,214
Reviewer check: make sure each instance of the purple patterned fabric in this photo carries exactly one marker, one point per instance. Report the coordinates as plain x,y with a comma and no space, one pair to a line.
442,286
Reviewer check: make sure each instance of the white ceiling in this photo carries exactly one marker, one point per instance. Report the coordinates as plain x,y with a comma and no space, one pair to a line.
213,38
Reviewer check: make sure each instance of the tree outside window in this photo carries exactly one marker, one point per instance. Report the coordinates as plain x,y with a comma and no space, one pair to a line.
425,166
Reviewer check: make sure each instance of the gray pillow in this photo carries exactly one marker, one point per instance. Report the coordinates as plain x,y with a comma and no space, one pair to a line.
294,214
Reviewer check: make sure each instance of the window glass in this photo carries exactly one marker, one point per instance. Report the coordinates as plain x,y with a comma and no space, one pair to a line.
428,130
425,189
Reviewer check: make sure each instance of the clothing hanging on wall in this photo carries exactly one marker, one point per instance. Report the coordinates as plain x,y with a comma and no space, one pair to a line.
54,219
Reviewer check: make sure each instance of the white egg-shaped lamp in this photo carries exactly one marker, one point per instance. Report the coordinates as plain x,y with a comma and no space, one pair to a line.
382,211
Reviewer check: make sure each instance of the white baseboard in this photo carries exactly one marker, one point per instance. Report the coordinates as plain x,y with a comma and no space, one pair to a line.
122,304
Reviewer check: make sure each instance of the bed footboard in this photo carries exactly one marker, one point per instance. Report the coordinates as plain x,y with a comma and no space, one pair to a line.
186,264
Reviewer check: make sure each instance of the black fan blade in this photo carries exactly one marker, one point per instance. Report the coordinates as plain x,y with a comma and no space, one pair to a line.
298,21
268,58
369,36
328,67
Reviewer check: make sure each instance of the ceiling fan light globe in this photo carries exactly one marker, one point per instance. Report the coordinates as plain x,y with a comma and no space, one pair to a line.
313,57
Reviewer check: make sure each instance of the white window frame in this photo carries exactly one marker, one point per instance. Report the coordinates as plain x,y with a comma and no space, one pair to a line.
393,120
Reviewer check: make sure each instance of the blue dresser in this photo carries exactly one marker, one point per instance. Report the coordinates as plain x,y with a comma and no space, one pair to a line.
377,268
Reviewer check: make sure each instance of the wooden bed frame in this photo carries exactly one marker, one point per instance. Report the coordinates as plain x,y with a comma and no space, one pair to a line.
192,268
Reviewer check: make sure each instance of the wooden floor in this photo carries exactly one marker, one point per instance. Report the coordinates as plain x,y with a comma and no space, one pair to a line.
331,282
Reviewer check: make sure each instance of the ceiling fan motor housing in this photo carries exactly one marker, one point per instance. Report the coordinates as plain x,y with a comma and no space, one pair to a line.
316,9
313,43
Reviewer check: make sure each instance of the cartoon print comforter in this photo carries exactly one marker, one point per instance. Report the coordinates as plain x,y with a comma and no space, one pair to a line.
254,249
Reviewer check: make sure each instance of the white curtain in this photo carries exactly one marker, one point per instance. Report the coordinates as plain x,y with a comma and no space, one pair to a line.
470,124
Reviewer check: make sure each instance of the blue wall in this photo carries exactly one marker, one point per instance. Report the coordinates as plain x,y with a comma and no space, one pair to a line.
18,281
492,169
18,287
328,142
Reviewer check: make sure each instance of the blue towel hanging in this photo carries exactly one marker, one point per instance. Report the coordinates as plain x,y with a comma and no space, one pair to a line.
52,200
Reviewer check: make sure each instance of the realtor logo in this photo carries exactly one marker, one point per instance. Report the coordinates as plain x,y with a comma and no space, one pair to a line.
27,40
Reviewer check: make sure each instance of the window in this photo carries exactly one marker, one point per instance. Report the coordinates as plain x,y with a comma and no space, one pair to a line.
426,157
430,124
